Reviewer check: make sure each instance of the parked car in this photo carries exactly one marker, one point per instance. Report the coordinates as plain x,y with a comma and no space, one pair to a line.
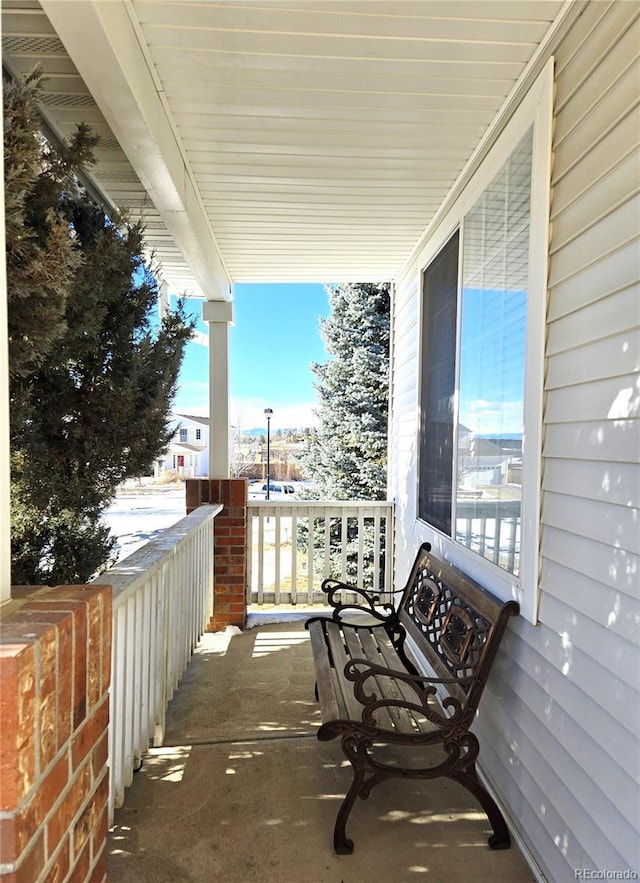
279,488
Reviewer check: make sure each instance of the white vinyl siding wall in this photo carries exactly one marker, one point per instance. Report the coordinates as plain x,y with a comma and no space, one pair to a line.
560,720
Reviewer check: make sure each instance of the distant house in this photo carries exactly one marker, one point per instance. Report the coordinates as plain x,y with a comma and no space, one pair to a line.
188,453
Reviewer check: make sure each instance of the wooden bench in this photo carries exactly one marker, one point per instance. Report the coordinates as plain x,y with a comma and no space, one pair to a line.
407,680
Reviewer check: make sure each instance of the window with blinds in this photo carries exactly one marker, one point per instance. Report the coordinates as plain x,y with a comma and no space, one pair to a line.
474,338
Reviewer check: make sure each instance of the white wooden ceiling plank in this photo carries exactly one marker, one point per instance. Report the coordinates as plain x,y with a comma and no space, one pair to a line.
516,10
327,256
362,176
35,24
324,155
266,18
333,47
322,237
51,65
68,83
225,213
212,184
309,143
252,129
198,98
218,204
326,168
386,117
245,62
276,230
344,184
392,214
203,77
68,116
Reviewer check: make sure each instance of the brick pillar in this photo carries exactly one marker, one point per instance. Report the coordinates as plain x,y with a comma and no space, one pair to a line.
55,667
230,546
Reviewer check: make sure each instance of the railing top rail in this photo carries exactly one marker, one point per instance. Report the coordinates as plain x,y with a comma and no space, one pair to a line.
127,576
481,508
320,504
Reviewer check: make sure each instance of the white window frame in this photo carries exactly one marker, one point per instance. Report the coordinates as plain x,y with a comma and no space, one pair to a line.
536,110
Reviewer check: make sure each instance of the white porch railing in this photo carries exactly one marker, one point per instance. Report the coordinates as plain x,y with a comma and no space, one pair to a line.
492,529
293,546
162,598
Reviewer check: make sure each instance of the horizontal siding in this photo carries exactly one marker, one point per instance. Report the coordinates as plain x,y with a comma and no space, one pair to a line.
567,744
583,556
612,483
563,807
597,200
618,39
559,722
568,676
618,270
541,661
615,525
605,440
603,398
617,656
570,183
618,613
608,357
590,547
616,314
605,236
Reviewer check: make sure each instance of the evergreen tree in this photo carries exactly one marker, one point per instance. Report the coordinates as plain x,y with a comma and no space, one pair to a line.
40,254
347,453
92,374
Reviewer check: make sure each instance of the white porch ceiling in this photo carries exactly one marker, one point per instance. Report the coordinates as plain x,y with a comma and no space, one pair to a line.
293,140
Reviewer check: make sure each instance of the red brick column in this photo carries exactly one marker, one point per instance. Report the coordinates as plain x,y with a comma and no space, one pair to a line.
55,667
230,546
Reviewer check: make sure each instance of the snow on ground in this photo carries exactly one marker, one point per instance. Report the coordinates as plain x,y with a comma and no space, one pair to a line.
140,513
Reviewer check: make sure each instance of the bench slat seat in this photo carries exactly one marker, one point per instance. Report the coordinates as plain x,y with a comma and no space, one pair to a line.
373,693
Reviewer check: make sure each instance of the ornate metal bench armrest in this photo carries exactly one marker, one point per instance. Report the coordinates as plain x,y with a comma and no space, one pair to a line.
361,670
371,605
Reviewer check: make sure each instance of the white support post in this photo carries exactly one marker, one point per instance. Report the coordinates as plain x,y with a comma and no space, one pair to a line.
164,300
219,315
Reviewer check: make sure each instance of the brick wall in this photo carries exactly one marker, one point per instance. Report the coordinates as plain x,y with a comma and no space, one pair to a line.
55,665
230,546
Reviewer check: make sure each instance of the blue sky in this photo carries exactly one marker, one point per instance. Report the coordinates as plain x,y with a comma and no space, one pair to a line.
272,343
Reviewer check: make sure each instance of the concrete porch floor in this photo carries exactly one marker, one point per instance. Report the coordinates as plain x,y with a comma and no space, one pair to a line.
243,791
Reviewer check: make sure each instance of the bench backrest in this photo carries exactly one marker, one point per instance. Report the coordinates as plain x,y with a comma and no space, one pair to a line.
455,623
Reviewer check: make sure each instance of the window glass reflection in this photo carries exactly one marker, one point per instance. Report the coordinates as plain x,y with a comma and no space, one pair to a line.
491,368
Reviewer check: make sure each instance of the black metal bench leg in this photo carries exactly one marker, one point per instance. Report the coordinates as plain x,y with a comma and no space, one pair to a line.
341,843
356,752
468,778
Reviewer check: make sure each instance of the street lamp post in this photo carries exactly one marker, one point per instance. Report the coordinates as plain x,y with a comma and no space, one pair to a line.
267,413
